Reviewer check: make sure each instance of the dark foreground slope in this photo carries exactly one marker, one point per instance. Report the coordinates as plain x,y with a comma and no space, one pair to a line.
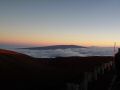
19,71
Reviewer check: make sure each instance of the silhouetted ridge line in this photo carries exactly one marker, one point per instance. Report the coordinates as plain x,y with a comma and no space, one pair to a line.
55,47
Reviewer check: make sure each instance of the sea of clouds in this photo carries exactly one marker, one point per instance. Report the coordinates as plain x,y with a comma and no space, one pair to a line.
90,51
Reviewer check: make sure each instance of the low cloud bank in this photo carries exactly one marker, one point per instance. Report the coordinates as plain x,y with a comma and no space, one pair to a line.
92,51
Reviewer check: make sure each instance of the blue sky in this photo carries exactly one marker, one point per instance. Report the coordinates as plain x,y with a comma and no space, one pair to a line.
48,22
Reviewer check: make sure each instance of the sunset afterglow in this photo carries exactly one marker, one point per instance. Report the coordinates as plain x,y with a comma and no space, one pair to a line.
54,22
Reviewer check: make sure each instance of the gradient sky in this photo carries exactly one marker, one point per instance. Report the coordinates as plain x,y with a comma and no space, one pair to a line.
49,22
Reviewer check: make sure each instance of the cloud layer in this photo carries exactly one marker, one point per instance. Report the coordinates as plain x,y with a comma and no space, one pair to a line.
92,51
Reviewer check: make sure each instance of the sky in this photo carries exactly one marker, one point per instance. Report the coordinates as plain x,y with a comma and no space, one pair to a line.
53,22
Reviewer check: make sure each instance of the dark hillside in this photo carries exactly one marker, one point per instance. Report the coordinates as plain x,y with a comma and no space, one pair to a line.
19,71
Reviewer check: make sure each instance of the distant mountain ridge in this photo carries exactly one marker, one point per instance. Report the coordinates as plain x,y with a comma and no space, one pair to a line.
54,47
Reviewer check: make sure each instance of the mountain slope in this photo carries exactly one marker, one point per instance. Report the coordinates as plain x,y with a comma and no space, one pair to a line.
55,47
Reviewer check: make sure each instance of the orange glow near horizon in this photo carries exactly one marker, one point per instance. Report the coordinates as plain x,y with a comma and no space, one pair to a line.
43,23
46,39
50,42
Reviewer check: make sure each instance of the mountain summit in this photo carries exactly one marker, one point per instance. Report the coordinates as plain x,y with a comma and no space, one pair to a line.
55,47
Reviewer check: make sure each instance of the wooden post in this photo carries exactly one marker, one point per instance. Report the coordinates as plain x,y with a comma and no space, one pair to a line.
69,86
77,87
72,86
102,68
105,66
95,74
109,66
98,70
89,77
85,82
